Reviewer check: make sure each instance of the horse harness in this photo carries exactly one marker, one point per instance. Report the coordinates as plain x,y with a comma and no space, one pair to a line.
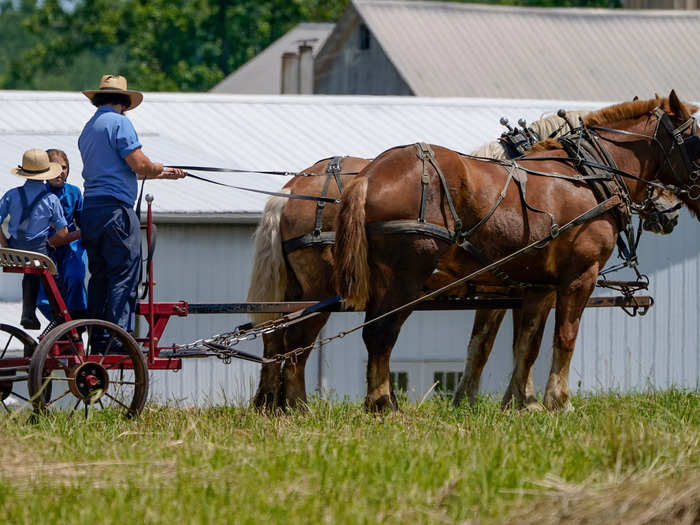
318,237
595,166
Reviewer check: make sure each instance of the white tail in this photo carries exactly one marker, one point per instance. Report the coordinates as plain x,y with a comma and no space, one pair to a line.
268,281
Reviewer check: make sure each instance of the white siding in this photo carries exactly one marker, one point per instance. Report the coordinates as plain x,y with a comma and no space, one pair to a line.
203,263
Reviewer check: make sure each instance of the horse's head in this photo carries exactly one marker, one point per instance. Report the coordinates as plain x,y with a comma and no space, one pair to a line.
677,134
660,215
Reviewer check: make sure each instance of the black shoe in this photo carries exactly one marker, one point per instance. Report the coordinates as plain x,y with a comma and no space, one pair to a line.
30,322
30,291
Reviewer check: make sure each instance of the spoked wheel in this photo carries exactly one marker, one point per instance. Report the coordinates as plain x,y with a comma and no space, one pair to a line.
15,344
91,365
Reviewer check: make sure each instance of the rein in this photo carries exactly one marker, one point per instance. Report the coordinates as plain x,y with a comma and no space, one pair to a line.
265,192
260,172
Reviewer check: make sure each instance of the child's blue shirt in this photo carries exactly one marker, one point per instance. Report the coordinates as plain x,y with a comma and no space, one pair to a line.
46,213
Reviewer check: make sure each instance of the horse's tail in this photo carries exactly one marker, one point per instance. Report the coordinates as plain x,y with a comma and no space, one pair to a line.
350,253
268,281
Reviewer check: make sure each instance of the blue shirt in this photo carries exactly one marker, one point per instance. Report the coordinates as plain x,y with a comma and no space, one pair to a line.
48,211
71,200
104,143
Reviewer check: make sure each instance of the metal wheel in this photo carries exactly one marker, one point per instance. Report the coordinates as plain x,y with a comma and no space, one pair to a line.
15,344
91,365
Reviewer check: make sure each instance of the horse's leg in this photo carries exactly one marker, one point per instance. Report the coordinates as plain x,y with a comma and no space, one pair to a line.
571,300
529,323
269,395
398,277
298,336
379,339
486,324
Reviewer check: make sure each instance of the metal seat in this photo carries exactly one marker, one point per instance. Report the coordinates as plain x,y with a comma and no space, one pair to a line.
10,258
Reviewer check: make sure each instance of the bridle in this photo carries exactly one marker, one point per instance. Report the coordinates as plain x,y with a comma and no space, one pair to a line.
689,148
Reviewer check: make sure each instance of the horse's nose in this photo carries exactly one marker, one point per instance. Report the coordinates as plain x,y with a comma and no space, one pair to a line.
670,224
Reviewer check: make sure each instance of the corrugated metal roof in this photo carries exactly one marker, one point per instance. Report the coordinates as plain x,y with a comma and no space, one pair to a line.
451,49
254,132
262,74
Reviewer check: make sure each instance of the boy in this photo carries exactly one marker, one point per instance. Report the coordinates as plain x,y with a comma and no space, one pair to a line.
32,210
70,259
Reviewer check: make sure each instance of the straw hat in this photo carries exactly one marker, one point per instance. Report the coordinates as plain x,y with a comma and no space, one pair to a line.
116,84
36,166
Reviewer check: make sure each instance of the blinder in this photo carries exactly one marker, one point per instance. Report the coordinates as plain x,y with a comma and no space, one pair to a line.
689,146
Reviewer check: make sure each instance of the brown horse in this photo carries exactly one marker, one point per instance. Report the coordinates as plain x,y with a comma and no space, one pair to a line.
291,264
285,269
379,266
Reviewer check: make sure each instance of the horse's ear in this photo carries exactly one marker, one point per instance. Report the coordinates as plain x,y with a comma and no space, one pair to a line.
677,107
657,97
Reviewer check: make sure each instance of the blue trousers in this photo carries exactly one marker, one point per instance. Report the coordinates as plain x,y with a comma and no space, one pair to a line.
111,236
71,263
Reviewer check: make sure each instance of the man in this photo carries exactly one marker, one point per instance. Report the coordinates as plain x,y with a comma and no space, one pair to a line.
112,162
71,260
34,212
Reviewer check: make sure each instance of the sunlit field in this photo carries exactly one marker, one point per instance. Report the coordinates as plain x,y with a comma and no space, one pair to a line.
615,459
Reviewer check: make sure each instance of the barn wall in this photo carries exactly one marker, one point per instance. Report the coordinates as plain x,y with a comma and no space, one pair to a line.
357,69
203,263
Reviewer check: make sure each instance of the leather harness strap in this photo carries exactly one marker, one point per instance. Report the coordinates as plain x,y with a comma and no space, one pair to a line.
309,239
318,237
427,156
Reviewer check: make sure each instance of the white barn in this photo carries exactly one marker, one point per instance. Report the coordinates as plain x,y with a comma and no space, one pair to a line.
204,235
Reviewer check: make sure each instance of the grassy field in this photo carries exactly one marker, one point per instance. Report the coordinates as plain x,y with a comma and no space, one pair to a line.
636,456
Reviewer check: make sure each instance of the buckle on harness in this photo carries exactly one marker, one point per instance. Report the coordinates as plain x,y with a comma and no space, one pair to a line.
554,233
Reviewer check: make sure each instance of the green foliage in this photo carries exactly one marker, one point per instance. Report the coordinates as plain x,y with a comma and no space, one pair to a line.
178,45
158,44
336,463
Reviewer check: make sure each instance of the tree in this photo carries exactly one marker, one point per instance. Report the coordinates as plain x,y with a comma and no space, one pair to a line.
160,45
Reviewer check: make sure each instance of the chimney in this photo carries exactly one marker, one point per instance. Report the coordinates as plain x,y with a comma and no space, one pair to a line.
290,74
306,69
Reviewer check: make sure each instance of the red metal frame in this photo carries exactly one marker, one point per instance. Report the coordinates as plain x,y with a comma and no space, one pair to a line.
156,314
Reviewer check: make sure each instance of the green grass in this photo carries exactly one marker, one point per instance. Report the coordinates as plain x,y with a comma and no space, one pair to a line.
336,463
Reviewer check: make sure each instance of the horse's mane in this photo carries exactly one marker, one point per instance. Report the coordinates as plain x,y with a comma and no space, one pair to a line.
626,110
622,111
617,112
543,127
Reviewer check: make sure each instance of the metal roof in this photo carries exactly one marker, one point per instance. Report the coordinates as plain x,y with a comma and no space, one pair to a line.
457,49
287,133
262,74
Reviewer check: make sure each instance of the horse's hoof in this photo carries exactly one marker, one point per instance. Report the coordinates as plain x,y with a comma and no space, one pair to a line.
533,406
556,404
267,402
381,404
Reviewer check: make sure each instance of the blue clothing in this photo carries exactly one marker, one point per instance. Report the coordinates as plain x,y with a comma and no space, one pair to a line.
70,259
106,140
47,212
112,237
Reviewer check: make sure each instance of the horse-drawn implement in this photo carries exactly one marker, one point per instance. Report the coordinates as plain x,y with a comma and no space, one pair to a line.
62,369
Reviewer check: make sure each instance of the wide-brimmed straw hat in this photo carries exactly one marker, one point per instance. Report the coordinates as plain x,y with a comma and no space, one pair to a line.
36,166
116,84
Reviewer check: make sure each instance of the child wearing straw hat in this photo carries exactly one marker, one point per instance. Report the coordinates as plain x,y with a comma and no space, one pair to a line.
33,210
